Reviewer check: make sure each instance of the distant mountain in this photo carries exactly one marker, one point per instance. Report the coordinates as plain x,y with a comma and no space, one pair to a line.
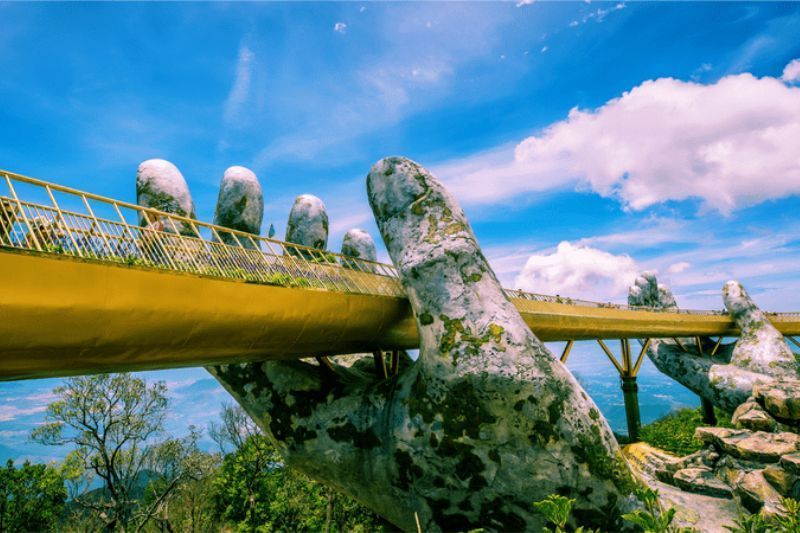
7,452
195,399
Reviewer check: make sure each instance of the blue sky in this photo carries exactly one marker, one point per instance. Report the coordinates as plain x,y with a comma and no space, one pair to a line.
586,141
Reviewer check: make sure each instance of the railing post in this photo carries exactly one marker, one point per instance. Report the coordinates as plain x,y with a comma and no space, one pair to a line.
630,392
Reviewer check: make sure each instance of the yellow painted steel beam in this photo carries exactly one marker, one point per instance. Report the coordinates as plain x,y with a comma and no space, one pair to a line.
62,315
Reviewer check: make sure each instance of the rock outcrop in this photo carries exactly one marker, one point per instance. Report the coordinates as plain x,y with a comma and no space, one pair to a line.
240,204
727,378
484,423
160,185
757,463
308,222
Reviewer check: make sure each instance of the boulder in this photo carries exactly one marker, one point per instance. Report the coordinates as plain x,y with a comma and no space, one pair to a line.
780,398
308,222
701,481
750,415
783,481
751,446
485,421
791,463
240,204
756,494
160,185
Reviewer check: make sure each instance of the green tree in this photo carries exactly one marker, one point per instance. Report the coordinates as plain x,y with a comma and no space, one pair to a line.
31,497
243,478
179,497
112,421
257,492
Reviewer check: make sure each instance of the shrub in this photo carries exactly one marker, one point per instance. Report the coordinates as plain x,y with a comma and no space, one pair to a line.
675,432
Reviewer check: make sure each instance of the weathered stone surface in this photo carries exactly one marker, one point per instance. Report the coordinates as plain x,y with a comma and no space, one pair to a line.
701,481
359,244
760,348
705,458
781,399
727,378
750,415
703,513
756,494
784,482
791,463
160,185
240,204
646,292
485,422
741,443
308,222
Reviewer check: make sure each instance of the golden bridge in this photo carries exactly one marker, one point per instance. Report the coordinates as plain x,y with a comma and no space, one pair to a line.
90,284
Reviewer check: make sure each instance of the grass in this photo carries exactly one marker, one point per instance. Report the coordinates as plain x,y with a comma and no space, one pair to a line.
675,432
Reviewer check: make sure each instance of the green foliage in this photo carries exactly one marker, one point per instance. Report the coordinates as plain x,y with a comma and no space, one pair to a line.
789,522
675,432
556,510
751,523
31,497
255,491
653,518
112,421
325,258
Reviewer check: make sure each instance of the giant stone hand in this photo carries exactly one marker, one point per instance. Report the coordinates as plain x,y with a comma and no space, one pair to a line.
727,378
484,423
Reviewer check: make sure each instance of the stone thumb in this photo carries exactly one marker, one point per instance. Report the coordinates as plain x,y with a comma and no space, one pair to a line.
461,309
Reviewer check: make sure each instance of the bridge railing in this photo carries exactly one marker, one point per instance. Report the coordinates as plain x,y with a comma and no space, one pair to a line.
40,216
45,217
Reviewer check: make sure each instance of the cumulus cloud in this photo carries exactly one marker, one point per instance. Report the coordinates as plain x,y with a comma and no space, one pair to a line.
731,144
241,84
340,27
791,74
578,272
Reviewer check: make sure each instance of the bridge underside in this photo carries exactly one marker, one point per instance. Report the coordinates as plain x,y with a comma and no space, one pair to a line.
64,316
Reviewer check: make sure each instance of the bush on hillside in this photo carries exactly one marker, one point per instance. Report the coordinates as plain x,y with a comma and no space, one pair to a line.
674,432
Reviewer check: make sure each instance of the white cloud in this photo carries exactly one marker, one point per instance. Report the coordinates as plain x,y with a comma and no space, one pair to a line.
677,268
791,74
652,232
11,412
598,15
340,27
545,49
731,144
578,272
525,3
241,84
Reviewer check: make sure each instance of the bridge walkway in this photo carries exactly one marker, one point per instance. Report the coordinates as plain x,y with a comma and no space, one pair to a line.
91,284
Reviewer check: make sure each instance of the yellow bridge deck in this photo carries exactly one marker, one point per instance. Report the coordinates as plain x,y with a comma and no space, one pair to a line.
71,302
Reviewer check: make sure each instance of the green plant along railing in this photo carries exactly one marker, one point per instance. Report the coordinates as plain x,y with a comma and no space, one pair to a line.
45,217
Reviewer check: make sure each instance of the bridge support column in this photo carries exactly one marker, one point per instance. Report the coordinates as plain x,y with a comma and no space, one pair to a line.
630,392
708,412
628,370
